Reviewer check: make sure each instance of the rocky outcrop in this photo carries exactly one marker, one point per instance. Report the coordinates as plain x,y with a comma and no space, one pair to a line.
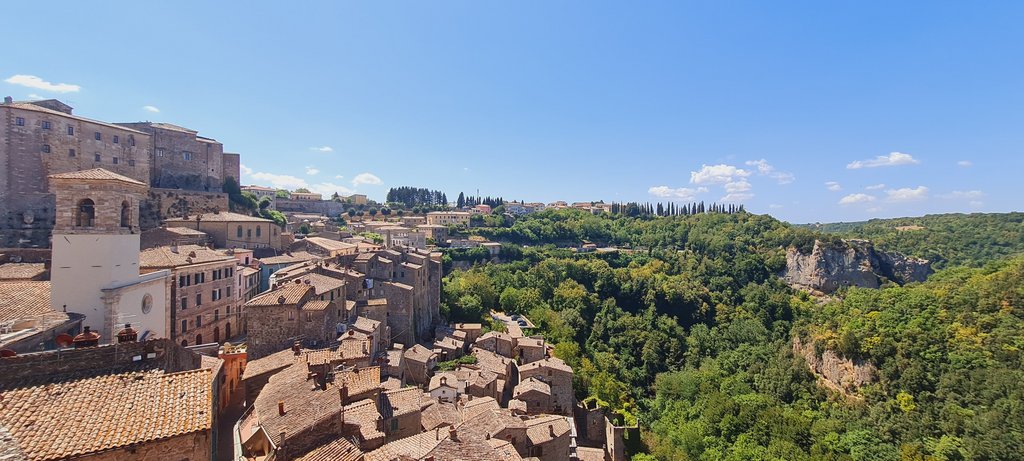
840,374
831,266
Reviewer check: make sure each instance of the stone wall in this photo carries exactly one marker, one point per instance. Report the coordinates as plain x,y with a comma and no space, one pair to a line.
170,357
324,207
183,160
174,203
196,446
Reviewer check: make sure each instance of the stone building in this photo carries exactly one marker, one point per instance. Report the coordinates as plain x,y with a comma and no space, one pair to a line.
42,138
95,268
137,401
234,230
287,314
558,376
448,218
204,292
184,160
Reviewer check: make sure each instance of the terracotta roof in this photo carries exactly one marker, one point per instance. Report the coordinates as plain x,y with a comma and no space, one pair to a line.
438,414
294,257
353,349
273,362
472,408
530,342
550,362
532,384
21,271
589,454
358,380
468,326
183,231
96,174
81,416
487,360
390,384
246,270
184,255
400,402
476,450
445,378
323,283
329,244
23,300
223,216
415,447
539,429
315,305
366,325
292,293
364,414
339,449
419,353
305,405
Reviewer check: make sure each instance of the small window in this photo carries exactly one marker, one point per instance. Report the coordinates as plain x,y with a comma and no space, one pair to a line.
115,160
131,163
248,234
131,140
71,130
239,231
46,124
46,148
199,299
184,328
85,214
229,295
97,157
71,152
184,303
186,155
258,232
115,139
97,136
19,121
181,280
199,321
216,314
291,315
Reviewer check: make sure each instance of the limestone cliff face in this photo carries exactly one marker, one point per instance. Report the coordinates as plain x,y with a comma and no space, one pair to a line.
834,372
829,267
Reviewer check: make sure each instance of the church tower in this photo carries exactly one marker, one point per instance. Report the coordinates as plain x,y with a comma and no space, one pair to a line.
95,269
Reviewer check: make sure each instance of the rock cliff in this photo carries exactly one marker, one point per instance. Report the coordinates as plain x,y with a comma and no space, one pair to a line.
834,372
831,266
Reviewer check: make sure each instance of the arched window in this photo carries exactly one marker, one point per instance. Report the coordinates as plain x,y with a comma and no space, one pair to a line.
239,231
126,214
184,343
248,234
85,214
258,231
199,339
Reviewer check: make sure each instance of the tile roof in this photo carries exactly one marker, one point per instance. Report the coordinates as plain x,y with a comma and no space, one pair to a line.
438,414
389,384
96,174
550,362
292,258
339,449
472,408
354,349
468,326
276,361
489,361
400,402
304,404
358,380
223,216
23,300
539,430
75,417
415,447
532,384
291,292
183,231
366,325
183,255
476,450
329,244
419,353
364,414
316,305
21,271
323,283
28,105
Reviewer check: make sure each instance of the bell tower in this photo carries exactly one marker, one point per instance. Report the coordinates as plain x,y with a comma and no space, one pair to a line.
95,245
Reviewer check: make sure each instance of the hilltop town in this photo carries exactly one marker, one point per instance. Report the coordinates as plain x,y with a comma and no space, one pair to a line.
151,307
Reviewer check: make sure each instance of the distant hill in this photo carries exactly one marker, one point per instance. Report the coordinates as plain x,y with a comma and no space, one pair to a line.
945,239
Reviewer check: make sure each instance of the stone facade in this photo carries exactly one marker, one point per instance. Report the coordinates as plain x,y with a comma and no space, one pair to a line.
38,141
278,318
233,230
184,160
174,203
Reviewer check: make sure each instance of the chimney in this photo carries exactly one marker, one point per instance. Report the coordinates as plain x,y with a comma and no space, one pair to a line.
454,436
297,349
280,411
86,338
127,335
551,430
343,393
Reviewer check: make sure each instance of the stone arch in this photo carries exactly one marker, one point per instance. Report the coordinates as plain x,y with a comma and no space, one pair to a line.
199,339
85,213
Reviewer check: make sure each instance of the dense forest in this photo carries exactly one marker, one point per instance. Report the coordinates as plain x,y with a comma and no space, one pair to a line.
946,239
410,197
688,330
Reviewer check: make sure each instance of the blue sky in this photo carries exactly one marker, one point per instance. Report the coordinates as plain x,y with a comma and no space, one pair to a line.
809,111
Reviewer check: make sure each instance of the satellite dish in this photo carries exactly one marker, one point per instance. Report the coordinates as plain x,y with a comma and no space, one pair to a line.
4,353
64,340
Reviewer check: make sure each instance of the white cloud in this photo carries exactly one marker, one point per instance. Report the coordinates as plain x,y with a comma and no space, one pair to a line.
338,176
245,170
738,186
328,189
150,109
776,206
32,81
311,170
279,181
893,159
907,194
34,97
965,164
765,169
856,198
323,149
833,186
366,178
717,174
682,193
964,195
875,187
737,197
